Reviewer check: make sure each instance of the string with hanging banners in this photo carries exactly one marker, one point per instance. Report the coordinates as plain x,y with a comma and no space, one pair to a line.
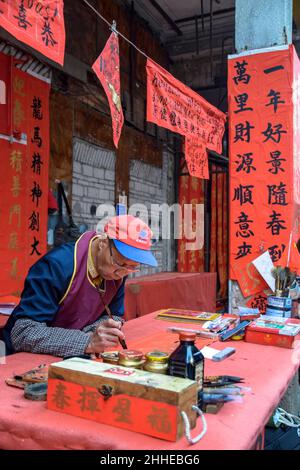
174,106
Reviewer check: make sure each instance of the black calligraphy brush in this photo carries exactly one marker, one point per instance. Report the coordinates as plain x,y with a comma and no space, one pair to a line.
122,341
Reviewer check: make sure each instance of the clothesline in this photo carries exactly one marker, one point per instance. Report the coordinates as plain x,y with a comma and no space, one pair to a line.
112,27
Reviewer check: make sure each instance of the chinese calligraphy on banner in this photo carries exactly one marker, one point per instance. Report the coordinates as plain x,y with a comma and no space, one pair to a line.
107,69
196,158
191,191
262,193
38,24
173,105
24,183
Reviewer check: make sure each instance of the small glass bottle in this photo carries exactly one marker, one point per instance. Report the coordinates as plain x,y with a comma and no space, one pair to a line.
187,361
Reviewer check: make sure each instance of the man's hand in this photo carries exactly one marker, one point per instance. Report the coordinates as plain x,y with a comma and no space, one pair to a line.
106,336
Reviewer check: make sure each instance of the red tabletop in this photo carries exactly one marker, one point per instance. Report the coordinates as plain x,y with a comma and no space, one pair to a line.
3,320
195,291
268,370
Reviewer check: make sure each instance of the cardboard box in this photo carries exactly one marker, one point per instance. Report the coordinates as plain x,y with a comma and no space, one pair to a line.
128,398
282,332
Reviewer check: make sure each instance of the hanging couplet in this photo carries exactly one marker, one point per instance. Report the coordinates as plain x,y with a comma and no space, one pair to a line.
196,158
24,182
264,161
173,105
107,69
259,301
38,24
191,198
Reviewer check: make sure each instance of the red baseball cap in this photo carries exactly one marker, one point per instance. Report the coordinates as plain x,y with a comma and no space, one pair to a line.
132,238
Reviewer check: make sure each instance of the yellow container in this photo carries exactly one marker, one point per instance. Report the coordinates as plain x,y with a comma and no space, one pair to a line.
157,361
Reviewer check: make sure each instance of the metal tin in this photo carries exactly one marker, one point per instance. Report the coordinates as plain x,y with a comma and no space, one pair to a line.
279,306
110,357
157,361
131,358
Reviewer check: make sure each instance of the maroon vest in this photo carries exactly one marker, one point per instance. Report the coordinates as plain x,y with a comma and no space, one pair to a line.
83,304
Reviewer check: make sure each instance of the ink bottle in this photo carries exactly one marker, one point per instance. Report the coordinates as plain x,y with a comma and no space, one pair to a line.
187,361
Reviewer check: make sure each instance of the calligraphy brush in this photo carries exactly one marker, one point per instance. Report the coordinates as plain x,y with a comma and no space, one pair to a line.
122,341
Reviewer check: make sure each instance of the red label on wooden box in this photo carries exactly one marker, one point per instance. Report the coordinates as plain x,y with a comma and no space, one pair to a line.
136,414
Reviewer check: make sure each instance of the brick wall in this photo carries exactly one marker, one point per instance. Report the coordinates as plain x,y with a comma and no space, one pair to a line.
148,185
93,180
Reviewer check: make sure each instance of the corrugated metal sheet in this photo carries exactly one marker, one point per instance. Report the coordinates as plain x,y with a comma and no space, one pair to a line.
93,155
27,63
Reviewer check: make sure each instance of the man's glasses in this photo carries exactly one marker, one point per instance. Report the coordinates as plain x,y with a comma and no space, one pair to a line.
124,267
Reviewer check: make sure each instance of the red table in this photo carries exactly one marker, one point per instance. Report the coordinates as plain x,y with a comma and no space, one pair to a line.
3,320
267,370
196,291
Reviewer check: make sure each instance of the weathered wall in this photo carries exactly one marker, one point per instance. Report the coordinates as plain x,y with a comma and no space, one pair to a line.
79,105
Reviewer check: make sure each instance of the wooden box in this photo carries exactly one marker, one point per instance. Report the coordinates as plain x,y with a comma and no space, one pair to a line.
128,398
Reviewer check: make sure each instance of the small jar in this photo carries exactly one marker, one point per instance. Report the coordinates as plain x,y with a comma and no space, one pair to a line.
110,357
156,361
131,358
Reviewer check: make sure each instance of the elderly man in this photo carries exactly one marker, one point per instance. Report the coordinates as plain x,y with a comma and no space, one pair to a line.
68,292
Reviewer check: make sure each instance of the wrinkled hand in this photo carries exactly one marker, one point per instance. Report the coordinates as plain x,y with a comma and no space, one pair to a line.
106,336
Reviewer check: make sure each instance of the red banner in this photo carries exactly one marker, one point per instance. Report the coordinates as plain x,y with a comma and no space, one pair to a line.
258,301
173,105
40,24
191,191
24,183
262,190
196,158
107,69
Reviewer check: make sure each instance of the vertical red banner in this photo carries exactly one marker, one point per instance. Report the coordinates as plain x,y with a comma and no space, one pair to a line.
262,195
40,24
191,191
24,182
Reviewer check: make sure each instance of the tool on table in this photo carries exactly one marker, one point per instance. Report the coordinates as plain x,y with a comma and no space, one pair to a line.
220,324
37,375
223,354
122,341
204,334
233,331
221,380
36,391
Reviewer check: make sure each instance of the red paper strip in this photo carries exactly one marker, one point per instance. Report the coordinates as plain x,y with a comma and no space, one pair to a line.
38,24
24,183
196,158
173,105
264,181
107,69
